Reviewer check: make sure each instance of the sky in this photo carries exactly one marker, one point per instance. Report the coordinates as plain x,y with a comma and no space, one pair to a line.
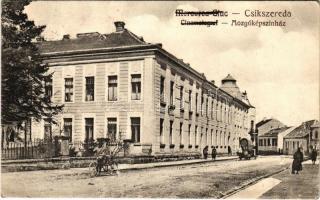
277,66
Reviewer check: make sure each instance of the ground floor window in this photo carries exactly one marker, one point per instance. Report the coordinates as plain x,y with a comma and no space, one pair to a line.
67,128
47,129
170,132
161,132
112,129
89,129
135,129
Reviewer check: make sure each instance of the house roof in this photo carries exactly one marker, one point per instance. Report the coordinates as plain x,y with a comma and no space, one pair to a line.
301,131
274,132
316,125
92,40
262,122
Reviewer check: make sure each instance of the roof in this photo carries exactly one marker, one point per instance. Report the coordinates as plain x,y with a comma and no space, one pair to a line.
228,78
301,131
274,132
262,122
316,125
93,40
122,38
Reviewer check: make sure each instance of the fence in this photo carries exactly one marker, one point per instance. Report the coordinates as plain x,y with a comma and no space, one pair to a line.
30,150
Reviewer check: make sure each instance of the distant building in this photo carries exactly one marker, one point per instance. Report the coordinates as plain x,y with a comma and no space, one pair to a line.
266,125
268,142
301,137
314,137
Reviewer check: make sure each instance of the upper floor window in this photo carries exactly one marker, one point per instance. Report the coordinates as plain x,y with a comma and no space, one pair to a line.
90,88
68,89
190,100
181,97
112,88
48,87
162,88
171,92
136,86
196,102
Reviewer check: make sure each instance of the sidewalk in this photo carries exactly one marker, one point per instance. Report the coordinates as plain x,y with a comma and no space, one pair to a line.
122,167
285,185
125,167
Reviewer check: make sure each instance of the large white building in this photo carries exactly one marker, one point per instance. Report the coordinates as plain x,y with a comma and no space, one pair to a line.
119,86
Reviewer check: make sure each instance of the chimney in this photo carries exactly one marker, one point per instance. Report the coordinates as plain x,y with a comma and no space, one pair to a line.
119,26
212,81
66,37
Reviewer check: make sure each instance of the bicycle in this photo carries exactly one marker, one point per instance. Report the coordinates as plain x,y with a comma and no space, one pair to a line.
106,163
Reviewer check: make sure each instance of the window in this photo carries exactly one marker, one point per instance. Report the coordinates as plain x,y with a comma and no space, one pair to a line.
201,104
274,142
90,88
68,89
269,143
190,100
196,102
195,135
88,129
162,89
189,134
260,143
211,138
136,86
112,88
135,129
316,135
212,109
48,87
161,132
112,129
171,92
181,97
180,133
67,127
207,110
170,133
206,142
47,129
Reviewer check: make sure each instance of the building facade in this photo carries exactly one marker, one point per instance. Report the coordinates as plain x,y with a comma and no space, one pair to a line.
268,142
266,125
120,87
300,137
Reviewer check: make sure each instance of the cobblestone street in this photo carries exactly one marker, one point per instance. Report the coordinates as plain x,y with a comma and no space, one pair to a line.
209,180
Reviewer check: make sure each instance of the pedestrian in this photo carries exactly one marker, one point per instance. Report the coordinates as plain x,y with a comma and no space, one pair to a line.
205,152
297,162
314,155
229,151
214,153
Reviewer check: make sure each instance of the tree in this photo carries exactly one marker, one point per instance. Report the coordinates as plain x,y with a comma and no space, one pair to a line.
23,71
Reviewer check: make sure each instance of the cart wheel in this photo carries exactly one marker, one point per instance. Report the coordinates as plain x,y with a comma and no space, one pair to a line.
93,169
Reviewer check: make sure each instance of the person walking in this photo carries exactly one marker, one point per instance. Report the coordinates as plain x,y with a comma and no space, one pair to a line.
297,162
314,155
229,151
205,152
214,153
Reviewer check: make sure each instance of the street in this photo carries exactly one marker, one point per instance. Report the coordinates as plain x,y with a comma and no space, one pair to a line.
209,180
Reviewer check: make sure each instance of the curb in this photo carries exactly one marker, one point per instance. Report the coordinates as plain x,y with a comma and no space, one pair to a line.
246,185
175,164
